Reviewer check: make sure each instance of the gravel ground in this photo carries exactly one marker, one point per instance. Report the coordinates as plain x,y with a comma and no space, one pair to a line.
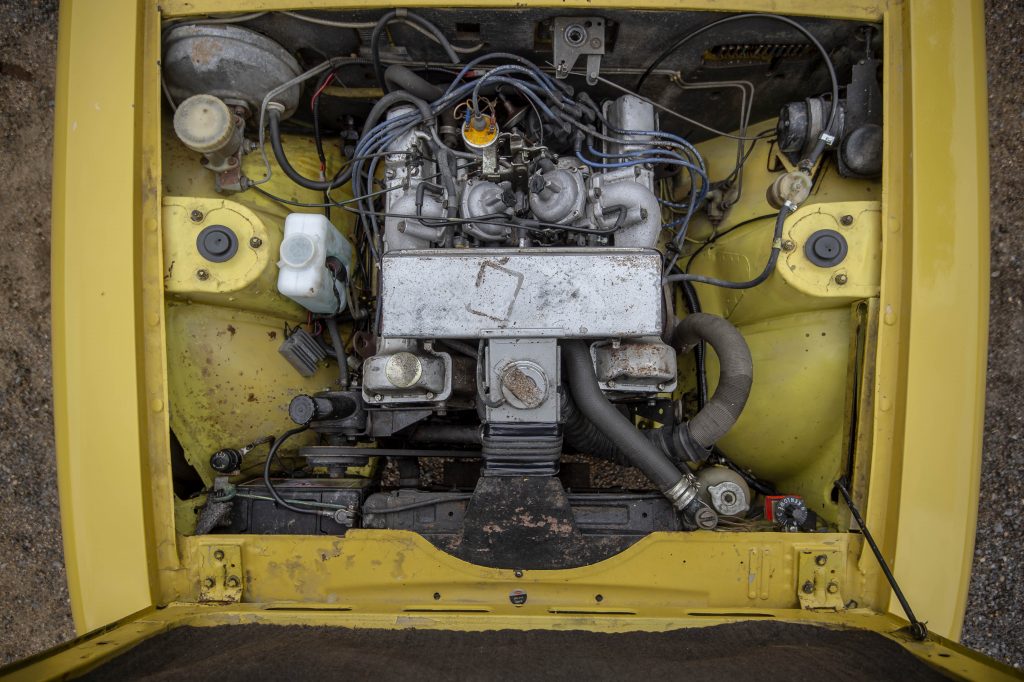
33,596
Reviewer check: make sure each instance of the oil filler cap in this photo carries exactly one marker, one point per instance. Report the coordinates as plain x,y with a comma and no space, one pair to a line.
826,248
217,243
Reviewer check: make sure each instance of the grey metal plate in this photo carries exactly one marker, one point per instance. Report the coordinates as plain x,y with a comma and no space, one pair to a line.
515,293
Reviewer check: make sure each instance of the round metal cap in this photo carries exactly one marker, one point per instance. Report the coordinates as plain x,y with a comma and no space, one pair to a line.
217,243
302,409
826,248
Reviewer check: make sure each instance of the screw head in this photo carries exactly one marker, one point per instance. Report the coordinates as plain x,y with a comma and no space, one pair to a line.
219,555
808,587
846,220
821,559
255,242
518,573
203,274
196,215
429,396
378,398
209,583
832,587
788,245
841,279
232,581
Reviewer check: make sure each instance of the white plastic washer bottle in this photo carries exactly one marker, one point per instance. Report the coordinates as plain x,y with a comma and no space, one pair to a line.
309,240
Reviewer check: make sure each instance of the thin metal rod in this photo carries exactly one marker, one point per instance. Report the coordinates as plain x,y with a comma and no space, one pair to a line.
918,629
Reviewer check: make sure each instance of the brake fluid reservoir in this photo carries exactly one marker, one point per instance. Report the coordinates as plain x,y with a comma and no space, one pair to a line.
309,240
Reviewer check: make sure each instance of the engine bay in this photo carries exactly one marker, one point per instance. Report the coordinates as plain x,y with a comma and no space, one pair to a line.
531,284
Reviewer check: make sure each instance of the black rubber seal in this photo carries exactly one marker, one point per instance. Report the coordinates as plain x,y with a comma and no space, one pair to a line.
826,248
217,243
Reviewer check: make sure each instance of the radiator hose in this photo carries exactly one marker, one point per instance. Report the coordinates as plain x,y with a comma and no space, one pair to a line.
679,487
692,440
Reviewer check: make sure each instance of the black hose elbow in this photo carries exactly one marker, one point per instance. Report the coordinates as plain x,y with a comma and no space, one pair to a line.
735,378
399,77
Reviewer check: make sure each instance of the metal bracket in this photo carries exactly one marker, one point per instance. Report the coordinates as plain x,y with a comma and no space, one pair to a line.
820,574
220,574
575,37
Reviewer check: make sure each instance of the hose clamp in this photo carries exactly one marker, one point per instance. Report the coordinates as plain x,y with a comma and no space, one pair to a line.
683,492
829,140
790,206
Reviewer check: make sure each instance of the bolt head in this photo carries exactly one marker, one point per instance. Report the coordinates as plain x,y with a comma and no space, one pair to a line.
808,587
202,275
430,396
219,555
232,581
196,215
821,559
846,220
378,398
518,573
841,279
832,587
788,245
209,583
255,242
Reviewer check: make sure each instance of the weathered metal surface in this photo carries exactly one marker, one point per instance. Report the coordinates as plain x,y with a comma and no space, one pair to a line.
567,293
221,574
644,365
522,380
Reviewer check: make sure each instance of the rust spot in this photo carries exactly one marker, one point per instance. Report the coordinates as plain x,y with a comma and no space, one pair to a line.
272,335
231,330
252,398
205,51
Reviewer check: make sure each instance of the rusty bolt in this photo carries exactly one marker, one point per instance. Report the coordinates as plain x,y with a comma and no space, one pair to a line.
832,587
219,555
788,245
518,573
846,220
203,274
808,587
209,583
232,581
196,215
841,279
255,242
821,559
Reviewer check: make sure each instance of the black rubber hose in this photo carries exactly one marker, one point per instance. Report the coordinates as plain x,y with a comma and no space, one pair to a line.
400,77
641,453
378,31
343,176
735,376
581,434
339,351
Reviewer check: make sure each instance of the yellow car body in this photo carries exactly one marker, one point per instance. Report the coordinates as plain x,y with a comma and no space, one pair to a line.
132,576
